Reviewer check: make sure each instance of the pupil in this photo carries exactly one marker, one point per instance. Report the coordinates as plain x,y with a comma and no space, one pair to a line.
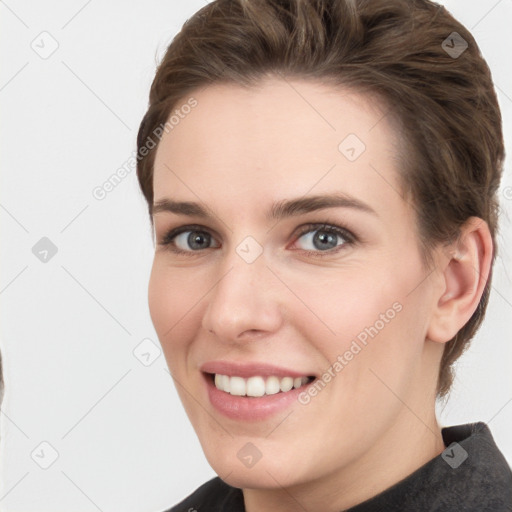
195,240
324,238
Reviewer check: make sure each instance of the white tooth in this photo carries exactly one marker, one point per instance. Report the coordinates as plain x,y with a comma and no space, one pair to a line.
286,384
272,386
255,386
237,386
225,383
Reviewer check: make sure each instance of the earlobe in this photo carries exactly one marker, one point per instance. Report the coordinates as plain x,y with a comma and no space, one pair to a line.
465,270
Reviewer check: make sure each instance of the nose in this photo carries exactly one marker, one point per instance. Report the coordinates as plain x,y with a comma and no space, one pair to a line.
244,304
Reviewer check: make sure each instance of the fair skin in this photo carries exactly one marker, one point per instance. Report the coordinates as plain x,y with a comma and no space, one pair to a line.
238,152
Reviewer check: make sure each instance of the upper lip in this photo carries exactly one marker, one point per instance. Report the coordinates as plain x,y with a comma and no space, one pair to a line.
247,370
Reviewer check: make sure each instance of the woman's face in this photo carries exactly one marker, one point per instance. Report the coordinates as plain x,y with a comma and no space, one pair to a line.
333,289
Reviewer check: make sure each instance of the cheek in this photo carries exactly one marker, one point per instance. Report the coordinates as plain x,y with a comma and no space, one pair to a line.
160,300
368,310
387,319
170,299
340,303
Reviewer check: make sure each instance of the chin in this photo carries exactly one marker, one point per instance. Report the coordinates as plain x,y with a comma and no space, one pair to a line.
264,474
257,479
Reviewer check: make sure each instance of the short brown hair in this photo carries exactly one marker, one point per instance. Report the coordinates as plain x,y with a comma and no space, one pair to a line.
396,49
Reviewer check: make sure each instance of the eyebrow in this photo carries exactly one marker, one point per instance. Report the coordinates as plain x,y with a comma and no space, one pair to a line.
279,210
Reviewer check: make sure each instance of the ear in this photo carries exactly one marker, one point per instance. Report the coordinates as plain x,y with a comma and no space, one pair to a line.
465,267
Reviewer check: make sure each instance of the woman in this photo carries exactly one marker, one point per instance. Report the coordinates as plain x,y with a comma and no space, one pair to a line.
321,176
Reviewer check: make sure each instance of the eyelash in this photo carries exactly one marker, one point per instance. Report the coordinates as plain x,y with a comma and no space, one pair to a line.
348,237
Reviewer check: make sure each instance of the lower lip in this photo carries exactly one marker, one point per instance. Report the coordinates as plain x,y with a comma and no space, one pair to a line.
244,408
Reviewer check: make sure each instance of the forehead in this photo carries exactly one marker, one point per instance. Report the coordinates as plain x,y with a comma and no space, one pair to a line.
278,138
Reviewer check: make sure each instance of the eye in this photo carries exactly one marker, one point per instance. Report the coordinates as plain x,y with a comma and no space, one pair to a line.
188,239
324,238
317,239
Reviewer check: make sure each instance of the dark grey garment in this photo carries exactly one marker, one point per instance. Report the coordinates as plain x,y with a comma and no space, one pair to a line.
471,475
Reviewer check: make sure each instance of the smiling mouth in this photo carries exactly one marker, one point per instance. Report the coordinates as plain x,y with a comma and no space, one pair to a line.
257,386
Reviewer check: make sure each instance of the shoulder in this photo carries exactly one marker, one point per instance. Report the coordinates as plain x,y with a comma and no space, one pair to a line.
485,478
213,496
470,475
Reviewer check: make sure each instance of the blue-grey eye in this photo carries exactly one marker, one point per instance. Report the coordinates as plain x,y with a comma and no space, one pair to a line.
193,240
321,240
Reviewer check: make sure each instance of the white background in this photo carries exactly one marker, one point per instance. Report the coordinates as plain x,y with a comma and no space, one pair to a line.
69,326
